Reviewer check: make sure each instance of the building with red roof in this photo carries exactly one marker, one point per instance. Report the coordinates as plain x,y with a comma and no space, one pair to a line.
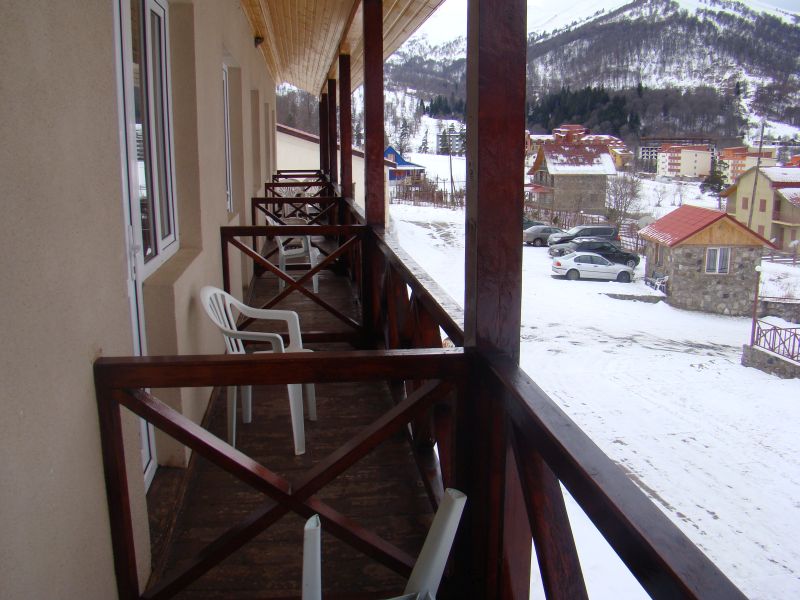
774,210
707,257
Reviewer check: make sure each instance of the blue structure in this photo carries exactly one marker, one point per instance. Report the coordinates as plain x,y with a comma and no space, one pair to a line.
404,169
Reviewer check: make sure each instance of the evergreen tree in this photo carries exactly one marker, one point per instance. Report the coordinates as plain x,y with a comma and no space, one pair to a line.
715,182
403,138
423,146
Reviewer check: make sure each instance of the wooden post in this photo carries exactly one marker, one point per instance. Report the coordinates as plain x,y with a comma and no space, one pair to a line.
333,163
497,562
375,195
346,126
324,156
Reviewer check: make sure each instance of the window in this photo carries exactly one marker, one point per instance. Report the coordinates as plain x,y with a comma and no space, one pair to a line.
762,205
226,107
717,260
745,202
149,107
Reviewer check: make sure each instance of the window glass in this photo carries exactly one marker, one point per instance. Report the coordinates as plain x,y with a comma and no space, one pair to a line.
711,260
724,260
151,115
143,159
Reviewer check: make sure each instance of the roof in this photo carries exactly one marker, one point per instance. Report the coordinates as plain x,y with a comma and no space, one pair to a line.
782,174
685,221
301,39
572,159
792,195
402,163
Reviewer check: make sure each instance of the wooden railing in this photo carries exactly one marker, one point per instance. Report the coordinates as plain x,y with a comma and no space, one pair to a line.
121,382
783,341
349,251
405,313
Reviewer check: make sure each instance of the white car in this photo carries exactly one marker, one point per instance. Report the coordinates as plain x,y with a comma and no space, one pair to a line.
588,265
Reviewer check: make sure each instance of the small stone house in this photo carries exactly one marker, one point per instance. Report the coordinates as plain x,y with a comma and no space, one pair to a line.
709,258
572,177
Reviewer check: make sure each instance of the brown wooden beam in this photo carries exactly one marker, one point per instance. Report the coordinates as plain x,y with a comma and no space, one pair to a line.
499,557
333,162
559,565
346,125
324,154
375,195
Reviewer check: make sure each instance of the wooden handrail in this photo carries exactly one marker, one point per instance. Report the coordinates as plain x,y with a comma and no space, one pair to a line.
660,556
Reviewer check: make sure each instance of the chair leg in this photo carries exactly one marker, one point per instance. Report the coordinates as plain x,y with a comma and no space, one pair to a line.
282,267
296,410
247,404
315,283
312,560
310,396
428,570
232,415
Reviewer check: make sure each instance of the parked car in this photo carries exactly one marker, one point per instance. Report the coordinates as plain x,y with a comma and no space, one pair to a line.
538,234
588,265
526,222
607,232
599,246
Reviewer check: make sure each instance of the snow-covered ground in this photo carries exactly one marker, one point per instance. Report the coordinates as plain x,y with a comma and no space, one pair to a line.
716,445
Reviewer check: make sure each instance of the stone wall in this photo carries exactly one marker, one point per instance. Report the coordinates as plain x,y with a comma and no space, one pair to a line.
790,311
580,192
769,363
692,288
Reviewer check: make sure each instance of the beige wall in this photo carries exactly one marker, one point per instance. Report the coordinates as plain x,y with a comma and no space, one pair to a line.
297,153
64,267
64,296
763,191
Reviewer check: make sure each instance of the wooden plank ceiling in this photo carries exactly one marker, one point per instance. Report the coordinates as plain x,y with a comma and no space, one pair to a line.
303,38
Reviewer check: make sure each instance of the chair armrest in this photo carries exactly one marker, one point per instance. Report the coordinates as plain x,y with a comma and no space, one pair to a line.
274,339
271,314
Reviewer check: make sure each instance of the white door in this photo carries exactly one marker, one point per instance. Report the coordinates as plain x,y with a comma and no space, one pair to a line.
145,117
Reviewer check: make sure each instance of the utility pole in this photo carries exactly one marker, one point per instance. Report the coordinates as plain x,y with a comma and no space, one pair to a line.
755,177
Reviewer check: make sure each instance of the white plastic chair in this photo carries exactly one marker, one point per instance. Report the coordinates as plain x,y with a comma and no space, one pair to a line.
219,305
288,248
429,568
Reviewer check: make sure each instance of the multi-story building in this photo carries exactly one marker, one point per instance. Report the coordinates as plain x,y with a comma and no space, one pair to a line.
650,146
684,161
738,159
767,200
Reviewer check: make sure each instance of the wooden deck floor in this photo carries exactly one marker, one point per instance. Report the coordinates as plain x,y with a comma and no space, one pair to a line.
382,492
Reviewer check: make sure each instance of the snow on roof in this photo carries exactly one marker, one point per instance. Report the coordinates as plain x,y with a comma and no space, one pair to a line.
792,195
782,174
571,159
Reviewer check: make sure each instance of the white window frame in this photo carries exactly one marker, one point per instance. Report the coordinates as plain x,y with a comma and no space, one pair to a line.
721,258
164,245
226,109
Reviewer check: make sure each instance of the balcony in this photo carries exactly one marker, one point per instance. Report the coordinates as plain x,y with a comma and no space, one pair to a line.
400,419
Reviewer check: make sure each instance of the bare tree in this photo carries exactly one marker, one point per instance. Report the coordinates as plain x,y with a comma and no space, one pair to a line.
622,196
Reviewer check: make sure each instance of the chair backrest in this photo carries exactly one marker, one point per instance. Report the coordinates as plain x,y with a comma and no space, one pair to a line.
218,305
429,568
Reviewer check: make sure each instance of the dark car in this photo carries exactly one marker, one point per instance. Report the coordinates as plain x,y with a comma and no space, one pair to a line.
599,246
538,234
607,232
526,222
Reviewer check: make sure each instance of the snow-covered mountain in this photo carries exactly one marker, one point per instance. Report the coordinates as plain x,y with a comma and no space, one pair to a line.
749,54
